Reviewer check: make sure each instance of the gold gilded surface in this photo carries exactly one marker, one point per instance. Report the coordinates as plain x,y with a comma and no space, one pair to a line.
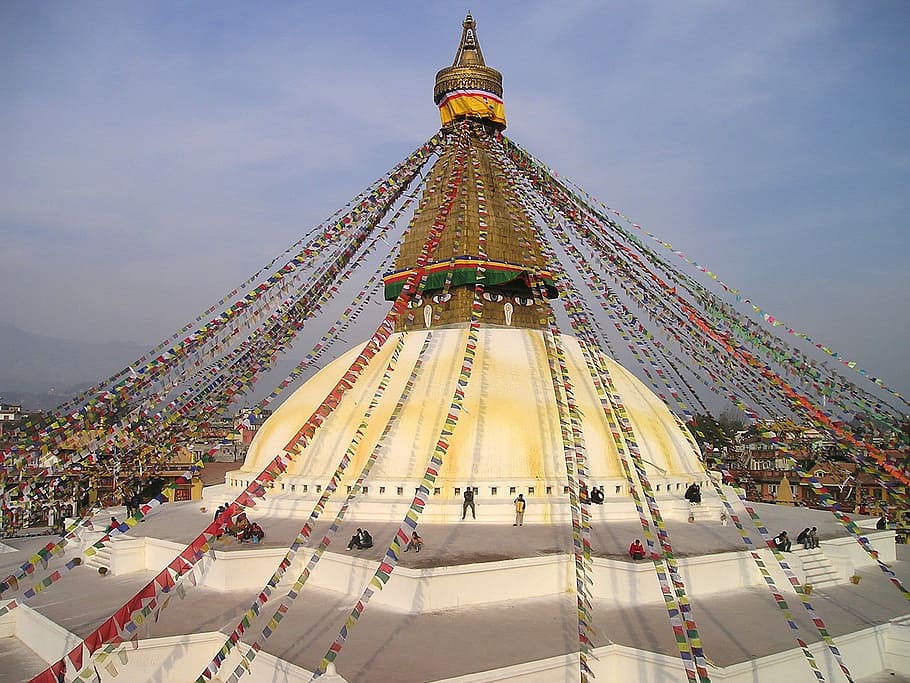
509,232
468,70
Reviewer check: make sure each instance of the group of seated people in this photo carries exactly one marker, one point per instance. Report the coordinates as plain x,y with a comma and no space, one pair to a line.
240,526
693,493
596,495
808,537
361,540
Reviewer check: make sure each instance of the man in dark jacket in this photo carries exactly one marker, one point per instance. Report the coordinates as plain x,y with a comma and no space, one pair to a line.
468,503
366,540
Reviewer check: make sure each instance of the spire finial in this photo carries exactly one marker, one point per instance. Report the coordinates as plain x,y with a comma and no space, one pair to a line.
469,87
469,52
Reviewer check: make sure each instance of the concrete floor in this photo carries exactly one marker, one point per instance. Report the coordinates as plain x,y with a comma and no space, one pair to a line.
388,645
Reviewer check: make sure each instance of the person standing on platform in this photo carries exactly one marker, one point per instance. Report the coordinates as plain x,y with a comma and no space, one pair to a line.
520,505
468,503
637,550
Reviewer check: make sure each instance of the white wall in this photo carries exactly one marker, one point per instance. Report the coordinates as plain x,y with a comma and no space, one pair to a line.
168,660
420,590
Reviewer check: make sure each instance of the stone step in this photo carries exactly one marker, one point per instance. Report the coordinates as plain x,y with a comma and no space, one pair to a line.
704,513
817,567
102,558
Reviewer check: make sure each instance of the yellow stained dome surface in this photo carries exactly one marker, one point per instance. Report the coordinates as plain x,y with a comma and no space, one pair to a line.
509,428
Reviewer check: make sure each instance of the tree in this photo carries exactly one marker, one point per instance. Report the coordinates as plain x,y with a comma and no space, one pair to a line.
732,421
710,433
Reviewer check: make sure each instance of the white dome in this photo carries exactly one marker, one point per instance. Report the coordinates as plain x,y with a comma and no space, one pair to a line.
508,431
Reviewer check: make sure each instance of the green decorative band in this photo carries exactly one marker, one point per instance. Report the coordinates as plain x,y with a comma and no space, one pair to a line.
464,272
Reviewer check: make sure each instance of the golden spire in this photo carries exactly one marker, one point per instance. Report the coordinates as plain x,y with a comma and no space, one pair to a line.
512,263
469,88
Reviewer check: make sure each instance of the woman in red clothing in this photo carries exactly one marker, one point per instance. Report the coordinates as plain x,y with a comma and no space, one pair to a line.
637,550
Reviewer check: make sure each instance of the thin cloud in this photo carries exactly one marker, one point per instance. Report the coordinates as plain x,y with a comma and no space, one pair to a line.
155,155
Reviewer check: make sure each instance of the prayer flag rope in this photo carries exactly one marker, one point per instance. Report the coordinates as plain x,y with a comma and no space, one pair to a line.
303,536
641,335
180,406
59,547
767,317
319,231
165,362
293,593
531,166
816,416
392,555
574,455
590,203
110,630
768,540
687,638
777,596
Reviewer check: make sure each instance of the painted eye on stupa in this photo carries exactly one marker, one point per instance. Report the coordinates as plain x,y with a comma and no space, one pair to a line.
522,301
493,296
442,298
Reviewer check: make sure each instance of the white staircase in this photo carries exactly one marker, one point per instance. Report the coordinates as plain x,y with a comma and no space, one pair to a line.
102,558
818,568
702,512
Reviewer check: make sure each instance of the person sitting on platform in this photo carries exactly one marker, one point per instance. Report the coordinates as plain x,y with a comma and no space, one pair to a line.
782,542
356,540
693,493
248,531
415,543
637,550
366,541
597,495
882,522
241,526
813,538
221,508
804,538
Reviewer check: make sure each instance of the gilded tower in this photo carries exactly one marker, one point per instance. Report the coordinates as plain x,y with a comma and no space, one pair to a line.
469,97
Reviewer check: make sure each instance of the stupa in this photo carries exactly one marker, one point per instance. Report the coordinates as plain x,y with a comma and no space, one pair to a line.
478,389
509,437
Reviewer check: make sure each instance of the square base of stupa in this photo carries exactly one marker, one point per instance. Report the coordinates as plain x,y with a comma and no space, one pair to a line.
481,602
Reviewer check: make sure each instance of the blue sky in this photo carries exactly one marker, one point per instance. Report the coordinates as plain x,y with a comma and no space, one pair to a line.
156,154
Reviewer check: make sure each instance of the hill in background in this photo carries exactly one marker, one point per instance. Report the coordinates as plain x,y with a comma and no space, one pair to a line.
41,372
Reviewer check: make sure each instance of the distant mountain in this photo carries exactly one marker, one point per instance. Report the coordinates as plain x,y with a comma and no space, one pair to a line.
41,372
